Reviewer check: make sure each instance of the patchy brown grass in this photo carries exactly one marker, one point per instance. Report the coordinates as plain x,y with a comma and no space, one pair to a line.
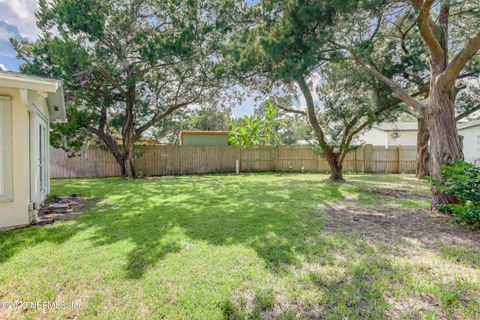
389,224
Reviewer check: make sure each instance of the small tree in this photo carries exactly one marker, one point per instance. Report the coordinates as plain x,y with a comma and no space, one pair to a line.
286,43
347,107
258,130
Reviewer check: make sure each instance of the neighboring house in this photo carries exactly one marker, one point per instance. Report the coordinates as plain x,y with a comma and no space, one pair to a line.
391,134
405,134
27,105
470,131
204,138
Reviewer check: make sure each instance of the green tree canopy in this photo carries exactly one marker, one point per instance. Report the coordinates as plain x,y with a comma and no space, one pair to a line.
288,44
128,64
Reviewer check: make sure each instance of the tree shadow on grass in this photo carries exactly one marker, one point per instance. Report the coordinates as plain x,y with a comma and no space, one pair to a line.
272,214
281,217
16,240
273,218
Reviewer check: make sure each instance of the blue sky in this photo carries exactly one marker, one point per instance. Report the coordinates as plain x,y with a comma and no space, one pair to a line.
17,19
7,53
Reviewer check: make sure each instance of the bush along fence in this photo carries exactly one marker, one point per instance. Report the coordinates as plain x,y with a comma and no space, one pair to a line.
160,160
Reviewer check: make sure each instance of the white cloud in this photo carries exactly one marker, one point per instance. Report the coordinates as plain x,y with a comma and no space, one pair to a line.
4,34
3,68
21,14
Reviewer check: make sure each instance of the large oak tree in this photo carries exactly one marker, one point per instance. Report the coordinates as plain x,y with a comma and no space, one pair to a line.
128,64
398,52
447,60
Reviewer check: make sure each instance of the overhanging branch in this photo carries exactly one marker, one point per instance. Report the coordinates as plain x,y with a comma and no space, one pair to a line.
285,108
461,59
397,89
467,113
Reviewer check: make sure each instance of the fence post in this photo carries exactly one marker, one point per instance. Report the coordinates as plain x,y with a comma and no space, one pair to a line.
398,159
367,157
276,158
355,161
240,157
182,166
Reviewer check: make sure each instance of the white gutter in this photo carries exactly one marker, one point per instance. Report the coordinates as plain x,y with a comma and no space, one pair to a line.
12,81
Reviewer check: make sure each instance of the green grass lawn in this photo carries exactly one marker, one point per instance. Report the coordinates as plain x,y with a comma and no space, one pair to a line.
273,246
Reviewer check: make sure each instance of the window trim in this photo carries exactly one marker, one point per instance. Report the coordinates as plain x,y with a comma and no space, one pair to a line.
7,152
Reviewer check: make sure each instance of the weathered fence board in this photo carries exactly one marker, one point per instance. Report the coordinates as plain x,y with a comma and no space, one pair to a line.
171,159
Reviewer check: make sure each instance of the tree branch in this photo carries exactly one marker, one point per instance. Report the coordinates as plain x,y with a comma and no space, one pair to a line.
443,22
461,59
312,116
402,93
109,77
467,113
158,117
287,109
426,26
353,133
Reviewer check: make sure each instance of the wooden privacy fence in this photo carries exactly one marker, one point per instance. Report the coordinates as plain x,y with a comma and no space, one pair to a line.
172,159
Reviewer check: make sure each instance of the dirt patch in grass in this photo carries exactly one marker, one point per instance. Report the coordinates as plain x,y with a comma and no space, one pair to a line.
388,224
427,243
396,193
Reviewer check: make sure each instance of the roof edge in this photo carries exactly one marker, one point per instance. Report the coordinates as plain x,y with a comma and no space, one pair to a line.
24,81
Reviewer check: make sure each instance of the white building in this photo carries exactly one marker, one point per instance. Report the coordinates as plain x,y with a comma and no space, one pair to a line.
27,105
405,133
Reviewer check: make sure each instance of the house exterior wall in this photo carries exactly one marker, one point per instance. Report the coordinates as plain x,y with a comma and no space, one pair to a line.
205,139
15,211
402,138
39,115
471,144
471,140
374,137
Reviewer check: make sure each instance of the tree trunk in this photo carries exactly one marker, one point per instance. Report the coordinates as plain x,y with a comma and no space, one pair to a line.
114,148
445,143
334,160
423,152
127,160
336,173
128,134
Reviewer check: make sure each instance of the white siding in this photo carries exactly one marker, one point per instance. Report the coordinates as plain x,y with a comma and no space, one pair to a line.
471,143
402,138
374,137
471,140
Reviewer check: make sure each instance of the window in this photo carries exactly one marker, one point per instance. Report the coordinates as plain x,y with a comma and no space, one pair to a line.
6,175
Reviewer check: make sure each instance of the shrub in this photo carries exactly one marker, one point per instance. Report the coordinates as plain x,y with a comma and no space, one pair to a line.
462,180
